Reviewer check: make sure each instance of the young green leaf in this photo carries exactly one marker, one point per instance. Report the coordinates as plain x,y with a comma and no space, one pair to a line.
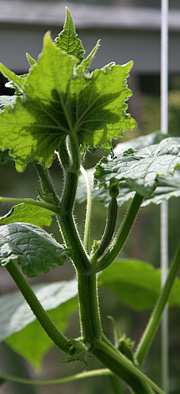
140,169
67,40
18,322
132,277
28,214
34,249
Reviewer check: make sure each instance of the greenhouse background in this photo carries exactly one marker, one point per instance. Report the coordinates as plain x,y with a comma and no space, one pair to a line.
128,29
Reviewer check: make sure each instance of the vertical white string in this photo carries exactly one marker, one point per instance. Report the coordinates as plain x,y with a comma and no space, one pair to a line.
164,206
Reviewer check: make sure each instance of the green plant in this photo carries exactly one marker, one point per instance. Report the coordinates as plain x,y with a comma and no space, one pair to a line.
59,111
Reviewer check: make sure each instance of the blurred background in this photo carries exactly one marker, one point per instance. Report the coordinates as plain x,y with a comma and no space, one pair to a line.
129,30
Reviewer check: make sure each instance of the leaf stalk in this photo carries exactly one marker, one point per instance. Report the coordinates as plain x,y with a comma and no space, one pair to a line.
47,324
155,318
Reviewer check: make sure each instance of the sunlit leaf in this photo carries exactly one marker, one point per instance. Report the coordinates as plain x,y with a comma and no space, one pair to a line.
58,100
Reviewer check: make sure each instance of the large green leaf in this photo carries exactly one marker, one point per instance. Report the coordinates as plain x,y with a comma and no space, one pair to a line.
137,284
67,40
28,214
59,99
140,169
19,327
34,249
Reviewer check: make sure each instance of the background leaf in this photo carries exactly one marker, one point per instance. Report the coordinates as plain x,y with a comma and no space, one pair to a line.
137,284
141,168
166,189
19,327
34,249
28,214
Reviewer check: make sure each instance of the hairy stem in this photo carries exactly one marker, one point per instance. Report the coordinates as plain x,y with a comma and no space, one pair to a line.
47,324
64,154
88,211
46,182
122,235
109,230
124,369
67,224
155,318
89,308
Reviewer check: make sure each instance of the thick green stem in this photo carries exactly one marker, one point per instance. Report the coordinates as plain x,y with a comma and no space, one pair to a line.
155,318
122,235
109,230
89,308
67,224
52,331
123,368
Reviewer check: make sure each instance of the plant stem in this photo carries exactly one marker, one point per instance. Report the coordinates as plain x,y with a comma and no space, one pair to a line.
64,155
124,369
78,376
122,235
52,331
46,182
155,318
109,230
89,308
115,384
67,224
30,201
88,211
